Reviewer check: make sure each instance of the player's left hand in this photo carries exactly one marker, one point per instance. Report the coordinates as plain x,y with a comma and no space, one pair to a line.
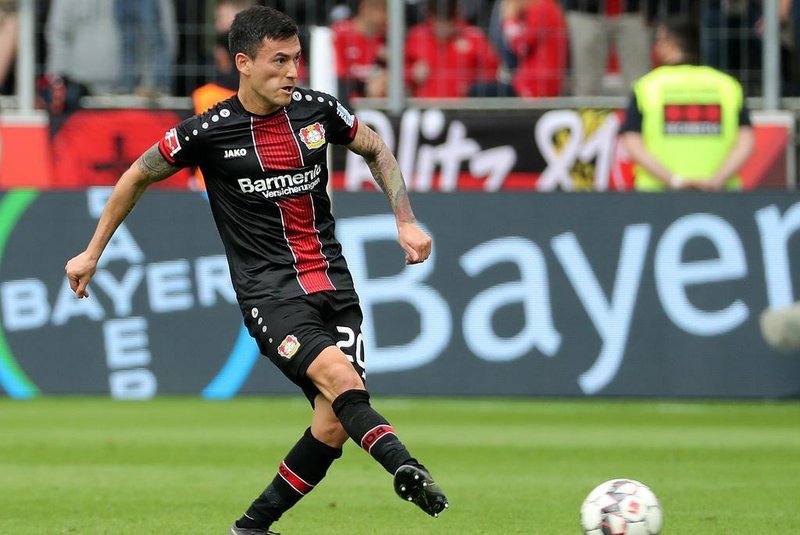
414,241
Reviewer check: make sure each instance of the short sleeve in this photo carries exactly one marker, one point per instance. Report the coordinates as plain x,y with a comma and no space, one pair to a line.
342,123
744,116
633,117
181,146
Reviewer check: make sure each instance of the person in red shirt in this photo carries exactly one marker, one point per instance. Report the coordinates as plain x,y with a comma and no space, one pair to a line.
445,56
360,44
535,32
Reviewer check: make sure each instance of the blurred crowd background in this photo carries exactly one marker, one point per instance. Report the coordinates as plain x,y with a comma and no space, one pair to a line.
453,48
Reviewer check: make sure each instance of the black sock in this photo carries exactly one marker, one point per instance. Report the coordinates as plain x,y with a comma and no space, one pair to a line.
370,430
304,467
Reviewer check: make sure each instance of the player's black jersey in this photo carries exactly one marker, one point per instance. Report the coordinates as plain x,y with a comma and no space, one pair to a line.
266,178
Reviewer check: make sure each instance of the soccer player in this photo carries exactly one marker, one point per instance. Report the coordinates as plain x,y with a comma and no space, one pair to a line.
262,152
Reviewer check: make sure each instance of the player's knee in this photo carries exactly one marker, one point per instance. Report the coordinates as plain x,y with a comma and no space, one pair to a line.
334,376
330,433
340,383
345,380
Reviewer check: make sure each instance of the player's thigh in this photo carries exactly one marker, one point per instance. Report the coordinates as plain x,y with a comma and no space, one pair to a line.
290,333
345,326
332,373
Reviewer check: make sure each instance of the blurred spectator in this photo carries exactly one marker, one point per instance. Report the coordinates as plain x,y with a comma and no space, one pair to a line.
83,45
687,125
730,38
733,37
225,82
416,11
656,10
194,62
445,56
508,61
306,13
226,77
8,41
534,40
360,44
339,12
593,25
225,11
476,12
149,34
224,85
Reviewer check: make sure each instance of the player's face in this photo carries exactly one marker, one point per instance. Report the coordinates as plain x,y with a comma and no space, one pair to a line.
272,74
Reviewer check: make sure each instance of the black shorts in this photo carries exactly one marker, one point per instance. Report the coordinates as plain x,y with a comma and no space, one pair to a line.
292,332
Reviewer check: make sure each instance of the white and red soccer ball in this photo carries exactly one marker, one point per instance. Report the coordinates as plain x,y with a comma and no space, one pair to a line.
621,507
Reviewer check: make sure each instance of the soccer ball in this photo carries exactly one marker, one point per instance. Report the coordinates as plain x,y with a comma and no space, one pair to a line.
621,507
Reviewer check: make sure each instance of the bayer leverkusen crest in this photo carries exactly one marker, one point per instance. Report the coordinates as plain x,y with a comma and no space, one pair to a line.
289,346
313,136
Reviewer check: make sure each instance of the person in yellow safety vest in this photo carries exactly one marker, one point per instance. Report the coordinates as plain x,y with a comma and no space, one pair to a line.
687,125
226,77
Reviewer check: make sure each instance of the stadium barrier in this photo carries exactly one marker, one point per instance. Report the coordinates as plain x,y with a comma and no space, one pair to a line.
526,294
439,150
565,149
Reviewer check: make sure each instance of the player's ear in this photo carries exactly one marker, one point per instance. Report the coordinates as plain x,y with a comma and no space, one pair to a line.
243,63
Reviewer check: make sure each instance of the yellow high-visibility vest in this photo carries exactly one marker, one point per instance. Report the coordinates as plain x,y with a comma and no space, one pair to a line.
690,121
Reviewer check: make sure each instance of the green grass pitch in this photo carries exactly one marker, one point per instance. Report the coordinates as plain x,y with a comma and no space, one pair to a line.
187,466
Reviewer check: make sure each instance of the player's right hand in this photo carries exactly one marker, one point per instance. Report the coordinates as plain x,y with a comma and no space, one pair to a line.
80,271
415,242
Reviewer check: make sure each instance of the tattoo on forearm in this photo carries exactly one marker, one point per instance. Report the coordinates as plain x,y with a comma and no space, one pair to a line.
154,166
386,171
133,201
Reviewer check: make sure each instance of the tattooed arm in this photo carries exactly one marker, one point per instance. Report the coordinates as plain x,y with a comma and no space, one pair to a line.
150,167
386,172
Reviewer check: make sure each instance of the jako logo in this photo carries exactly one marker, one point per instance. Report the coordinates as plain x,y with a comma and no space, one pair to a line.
235,153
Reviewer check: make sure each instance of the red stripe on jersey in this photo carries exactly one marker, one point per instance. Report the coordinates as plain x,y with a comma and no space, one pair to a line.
294,480
375,434
277,148
276,145
301,234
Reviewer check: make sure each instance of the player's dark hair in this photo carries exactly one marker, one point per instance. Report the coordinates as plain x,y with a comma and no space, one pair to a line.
251,26
685,32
